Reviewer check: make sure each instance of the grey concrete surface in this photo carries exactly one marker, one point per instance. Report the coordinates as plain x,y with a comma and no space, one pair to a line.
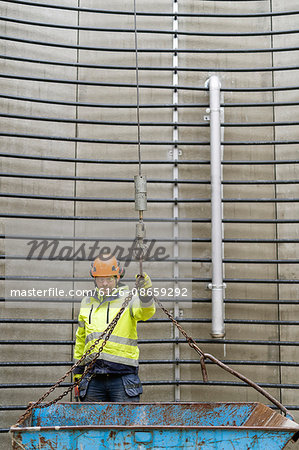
211,62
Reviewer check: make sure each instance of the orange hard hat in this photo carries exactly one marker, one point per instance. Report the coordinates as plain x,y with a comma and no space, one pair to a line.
106,266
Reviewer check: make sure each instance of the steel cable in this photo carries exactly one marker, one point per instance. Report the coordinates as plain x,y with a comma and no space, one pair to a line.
147,31
150,50
157,14
149,68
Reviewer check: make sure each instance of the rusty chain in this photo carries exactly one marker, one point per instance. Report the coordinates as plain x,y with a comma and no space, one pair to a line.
107,333
212,358
188,338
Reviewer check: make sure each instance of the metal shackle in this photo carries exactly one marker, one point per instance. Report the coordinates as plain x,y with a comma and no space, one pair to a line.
140,230
140,193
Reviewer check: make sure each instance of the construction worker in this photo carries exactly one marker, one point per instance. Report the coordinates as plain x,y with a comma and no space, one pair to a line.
114,376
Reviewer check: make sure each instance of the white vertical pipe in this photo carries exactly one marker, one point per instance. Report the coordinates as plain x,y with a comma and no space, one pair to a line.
217,285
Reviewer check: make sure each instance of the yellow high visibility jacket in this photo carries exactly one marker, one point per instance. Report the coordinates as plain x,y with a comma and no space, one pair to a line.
97,312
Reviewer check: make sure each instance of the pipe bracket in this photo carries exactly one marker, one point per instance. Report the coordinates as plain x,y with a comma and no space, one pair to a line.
217,286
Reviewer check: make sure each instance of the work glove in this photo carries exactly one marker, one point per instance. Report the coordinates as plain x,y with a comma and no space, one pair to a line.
144,281
144,286
77,377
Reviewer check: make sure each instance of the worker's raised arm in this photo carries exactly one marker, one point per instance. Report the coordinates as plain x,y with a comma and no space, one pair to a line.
143,306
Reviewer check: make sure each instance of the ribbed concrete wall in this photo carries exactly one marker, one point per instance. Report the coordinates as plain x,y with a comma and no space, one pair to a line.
87,93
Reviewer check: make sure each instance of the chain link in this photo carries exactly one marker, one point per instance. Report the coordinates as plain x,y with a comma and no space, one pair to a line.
107,333
141,247
188,338
212,358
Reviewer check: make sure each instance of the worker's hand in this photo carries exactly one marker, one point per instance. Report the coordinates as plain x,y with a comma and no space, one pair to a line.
76,378
144,281
144,286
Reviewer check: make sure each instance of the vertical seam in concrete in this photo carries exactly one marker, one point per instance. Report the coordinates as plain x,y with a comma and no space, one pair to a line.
75,181
175,156
276,204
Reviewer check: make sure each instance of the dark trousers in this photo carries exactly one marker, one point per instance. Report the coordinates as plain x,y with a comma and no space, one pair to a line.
108,388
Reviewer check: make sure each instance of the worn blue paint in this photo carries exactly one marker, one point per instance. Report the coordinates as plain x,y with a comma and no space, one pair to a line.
184,414
126,426
161,439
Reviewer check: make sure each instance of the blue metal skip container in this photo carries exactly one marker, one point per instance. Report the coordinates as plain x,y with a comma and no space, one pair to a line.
95,426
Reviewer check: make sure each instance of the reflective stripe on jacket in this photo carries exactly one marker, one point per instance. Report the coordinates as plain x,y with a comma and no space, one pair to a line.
96,313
